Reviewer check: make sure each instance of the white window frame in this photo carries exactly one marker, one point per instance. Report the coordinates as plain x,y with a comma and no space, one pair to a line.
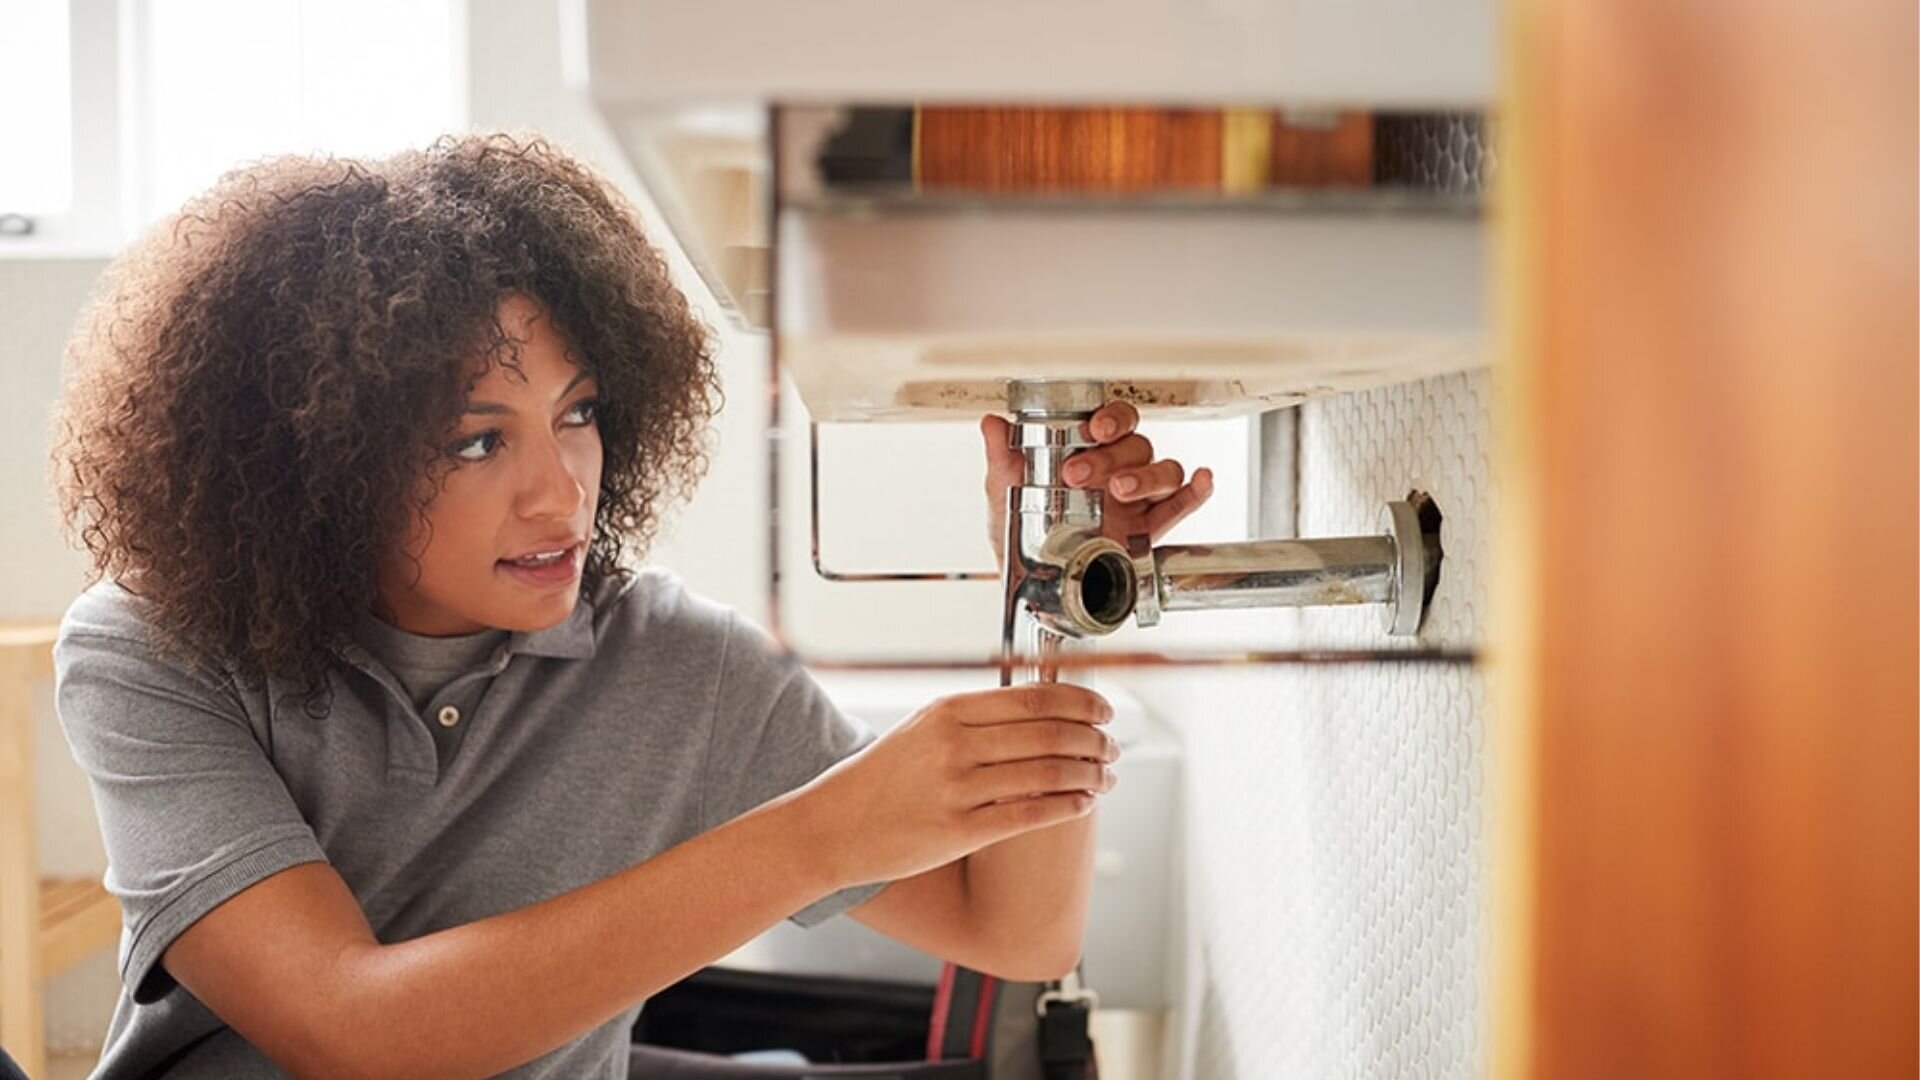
94,222
111,123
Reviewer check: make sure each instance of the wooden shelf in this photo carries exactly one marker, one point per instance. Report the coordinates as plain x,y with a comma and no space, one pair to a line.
47,924
77,917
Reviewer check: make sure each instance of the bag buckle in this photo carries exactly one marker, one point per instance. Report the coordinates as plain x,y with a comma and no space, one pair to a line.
1070,992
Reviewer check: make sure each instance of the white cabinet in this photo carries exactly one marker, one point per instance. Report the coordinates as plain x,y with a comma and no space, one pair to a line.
905,304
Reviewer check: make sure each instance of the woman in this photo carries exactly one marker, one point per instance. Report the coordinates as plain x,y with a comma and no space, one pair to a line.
400,771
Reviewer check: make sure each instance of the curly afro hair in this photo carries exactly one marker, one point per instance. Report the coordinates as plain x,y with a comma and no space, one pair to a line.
258,394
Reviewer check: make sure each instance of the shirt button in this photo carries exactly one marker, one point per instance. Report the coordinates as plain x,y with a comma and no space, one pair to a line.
449,716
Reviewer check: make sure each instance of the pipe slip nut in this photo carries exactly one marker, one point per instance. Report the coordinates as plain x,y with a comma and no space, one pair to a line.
1097,588
1063,398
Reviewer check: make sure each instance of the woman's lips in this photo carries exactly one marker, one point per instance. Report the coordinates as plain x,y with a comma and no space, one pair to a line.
560,571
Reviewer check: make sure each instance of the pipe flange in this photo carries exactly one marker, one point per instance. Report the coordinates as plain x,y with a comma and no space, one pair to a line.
1403,615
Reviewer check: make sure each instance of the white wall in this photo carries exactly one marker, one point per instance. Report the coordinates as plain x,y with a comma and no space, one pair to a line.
1334,822
39,300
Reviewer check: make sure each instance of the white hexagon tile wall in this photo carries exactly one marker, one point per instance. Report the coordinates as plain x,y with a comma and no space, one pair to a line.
1335,849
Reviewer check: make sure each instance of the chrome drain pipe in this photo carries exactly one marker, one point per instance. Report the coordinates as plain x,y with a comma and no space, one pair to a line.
1398,569
1063,578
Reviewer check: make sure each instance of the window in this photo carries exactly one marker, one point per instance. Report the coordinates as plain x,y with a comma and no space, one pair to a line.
118,110
36,98
227,81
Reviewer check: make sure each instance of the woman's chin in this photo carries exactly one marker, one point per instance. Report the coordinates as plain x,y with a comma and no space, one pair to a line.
535,615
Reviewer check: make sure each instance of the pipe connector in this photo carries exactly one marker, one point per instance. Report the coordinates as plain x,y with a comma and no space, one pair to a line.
1073,580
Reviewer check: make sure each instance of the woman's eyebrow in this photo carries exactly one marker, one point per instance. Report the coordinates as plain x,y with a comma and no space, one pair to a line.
492,408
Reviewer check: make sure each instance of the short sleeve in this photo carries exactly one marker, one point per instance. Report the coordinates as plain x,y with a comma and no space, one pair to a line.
190,808
774,730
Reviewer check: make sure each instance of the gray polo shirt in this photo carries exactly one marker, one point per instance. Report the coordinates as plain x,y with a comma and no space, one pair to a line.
488,773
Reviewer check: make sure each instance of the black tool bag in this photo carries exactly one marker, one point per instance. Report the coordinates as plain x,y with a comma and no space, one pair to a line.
969,1027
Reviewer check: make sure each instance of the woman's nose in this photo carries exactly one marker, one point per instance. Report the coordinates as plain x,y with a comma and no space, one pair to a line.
553,486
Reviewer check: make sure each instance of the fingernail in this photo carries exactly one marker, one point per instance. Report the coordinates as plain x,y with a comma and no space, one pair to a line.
1103,427
1076,470
1126,485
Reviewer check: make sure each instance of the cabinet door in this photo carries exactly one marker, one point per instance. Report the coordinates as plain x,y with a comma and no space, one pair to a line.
1707,704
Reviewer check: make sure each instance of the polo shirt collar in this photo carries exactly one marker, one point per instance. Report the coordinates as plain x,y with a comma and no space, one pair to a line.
571,638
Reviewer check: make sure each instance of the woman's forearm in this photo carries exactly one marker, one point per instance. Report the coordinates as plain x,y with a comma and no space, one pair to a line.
480,998
1028,893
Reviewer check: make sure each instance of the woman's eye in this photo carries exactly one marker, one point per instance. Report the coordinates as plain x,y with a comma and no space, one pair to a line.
587,409
477,448
480,447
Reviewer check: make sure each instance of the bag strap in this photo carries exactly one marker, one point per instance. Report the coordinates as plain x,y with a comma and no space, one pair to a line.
963,1009
1066,1047
962,1014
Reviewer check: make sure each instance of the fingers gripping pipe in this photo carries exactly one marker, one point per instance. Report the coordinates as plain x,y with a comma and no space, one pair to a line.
1064,578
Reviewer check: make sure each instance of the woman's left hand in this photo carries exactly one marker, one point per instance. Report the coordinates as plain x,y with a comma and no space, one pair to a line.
1141,495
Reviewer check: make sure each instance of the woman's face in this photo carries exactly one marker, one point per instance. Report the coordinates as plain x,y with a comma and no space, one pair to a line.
525,485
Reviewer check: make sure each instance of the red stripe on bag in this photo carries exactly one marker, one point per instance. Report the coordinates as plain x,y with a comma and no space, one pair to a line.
942,1001
982,1016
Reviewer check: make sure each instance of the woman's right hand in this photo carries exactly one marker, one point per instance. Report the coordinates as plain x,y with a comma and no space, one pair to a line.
964,772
